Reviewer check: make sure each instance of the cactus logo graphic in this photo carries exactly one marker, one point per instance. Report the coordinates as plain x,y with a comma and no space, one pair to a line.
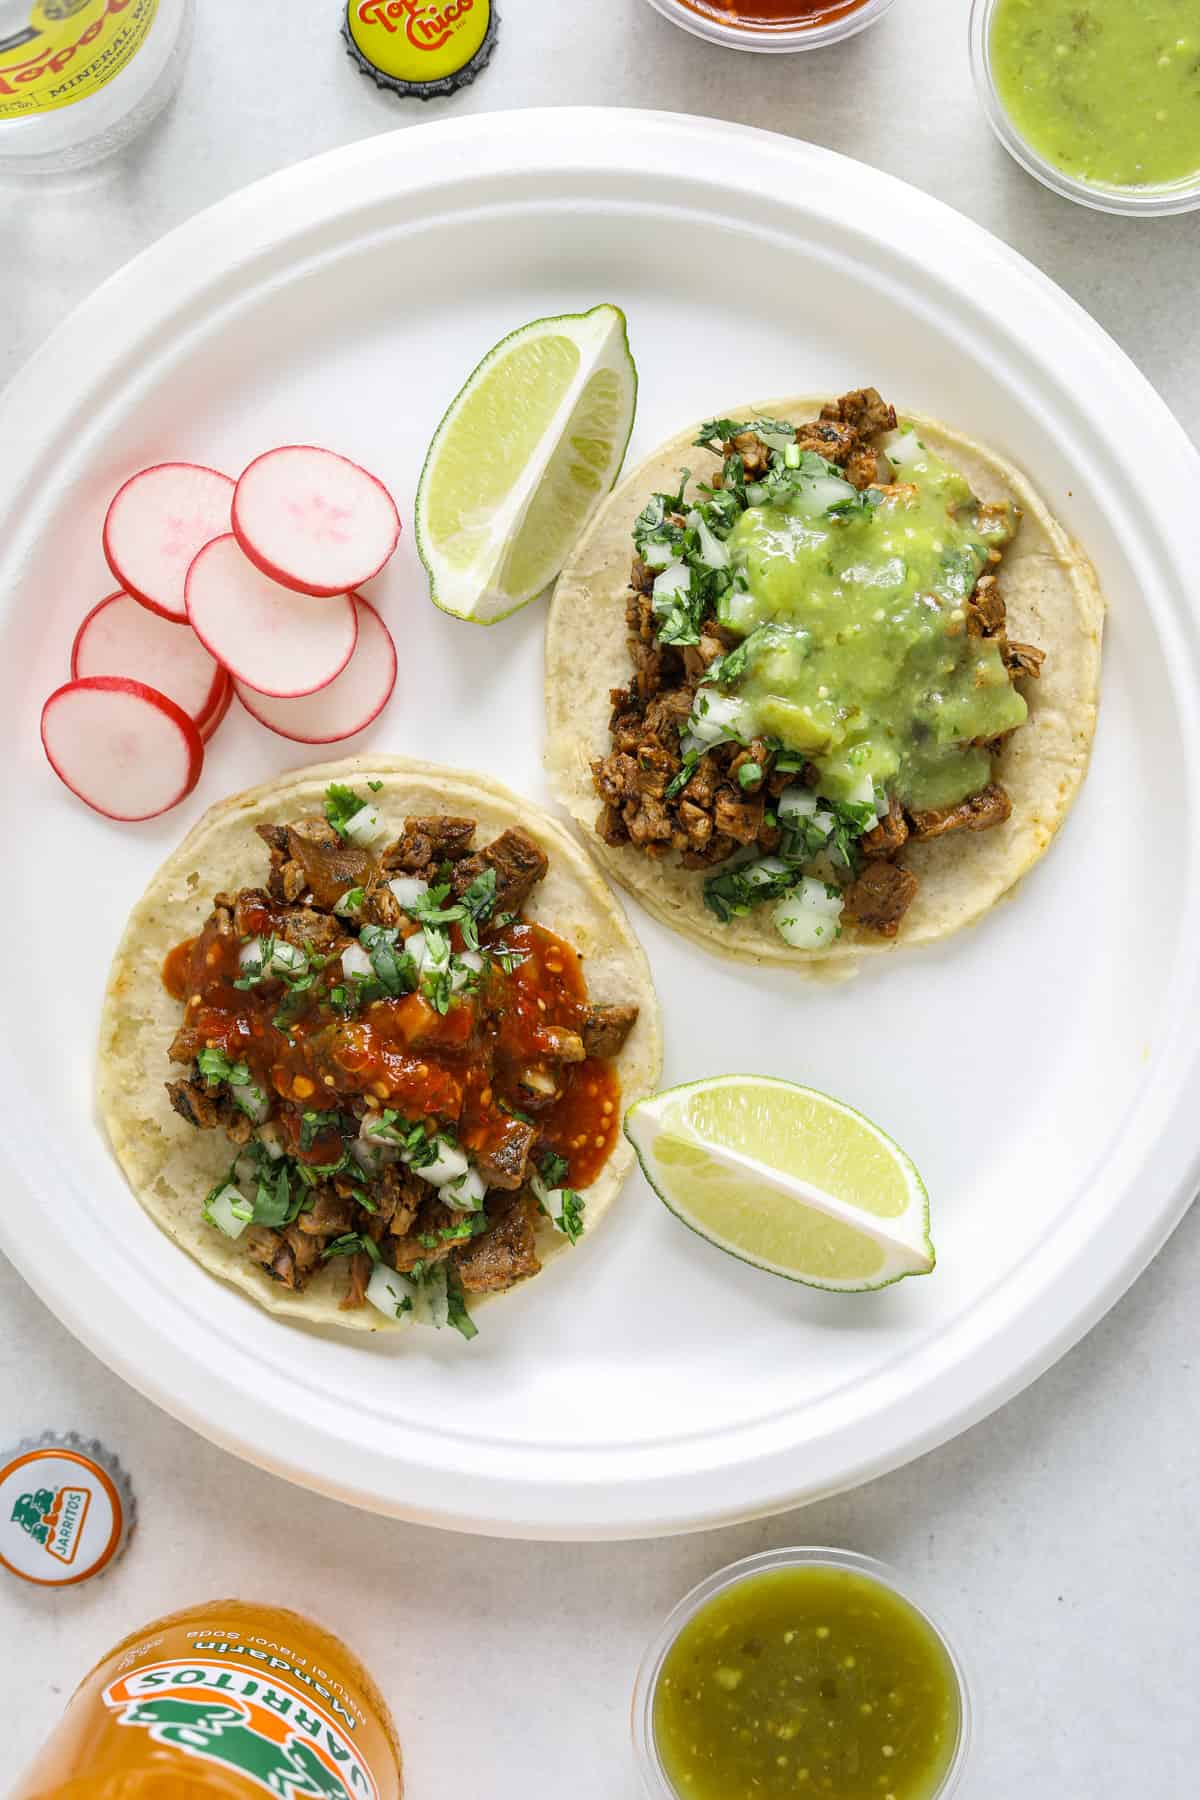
53,1518
284,1741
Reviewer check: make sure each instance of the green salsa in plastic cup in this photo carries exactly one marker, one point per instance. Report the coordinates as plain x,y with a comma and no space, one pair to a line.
1098,99
802,1671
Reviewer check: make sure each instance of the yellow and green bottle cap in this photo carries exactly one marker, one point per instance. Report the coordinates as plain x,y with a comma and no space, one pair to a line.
421,48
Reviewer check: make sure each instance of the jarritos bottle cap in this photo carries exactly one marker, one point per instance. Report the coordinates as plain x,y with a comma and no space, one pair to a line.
421,48
66,1510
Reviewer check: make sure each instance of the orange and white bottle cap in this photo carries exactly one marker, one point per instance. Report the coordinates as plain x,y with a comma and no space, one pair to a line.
66,1510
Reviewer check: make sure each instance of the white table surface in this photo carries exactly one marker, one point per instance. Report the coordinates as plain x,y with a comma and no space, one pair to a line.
1058,1536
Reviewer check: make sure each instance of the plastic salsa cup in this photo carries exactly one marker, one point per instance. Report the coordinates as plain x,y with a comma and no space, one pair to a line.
1152,201
841,20
656,1784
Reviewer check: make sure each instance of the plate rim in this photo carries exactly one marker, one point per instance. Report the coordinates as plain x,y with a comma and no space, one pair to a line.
277,213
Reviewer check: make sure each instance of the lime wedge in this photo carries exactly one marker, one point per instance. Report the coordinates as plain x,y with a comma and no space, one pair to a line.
522,460
787,1179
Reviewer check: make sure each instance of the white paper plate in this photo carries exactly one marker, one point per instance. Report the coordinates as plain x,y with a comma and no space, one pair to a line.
1042,1070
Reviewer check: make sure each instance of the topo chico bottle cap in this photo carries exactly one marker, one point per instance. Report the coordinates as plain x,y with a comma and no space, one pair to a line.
421,48
66,1510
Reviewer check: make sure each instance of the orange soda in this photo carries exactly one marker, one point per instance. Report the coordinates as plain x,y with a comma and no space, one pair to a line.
225,1700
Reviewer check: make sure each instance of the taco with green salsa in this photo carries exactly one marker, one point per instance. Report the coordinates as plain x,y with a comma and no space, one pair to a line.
367,1042
845,697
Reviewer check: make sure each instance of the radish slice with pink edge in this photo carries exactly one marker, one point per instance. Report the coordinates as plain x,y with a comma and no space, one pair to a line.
208,727
155,526
349,704
121,637
267,638
123,748
314,521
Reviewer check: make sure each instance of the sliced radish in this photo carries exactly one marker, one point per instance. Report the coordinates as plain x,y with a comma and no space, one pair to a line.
268,639
208,726
347,705
122,637
313,521
155,526
125,749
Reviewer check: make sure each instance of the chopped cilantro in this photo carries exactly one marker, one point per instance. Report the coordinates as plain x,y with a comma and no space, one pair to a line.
350,1245
733,892
273,1203
685,774
376,787
341,804
554,1169
750,775
352,899
393,968
570,1220
457,1314
215,1067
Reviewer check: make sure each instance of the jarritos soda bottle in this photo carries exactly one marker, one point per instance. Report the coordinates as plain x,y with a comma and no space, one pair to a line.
228,1700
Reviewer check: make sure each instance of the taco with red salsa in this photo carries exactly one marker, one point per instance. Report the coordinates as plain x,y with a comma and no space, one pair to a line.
367,1043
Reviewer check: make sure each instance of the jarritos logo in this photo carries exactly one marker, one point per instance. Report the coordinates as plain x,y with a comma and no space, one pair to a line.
53,1518
426,27
283,1741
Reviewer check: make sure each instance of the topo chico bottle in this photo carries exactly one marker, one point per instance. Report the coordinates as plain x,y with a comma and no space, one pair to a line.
79,78
226,1700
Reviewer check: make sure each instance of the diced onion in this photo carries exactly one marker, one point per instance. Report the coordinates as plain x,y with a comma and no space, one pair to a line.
656,553
756,493
777,440
797,803
229,1211
674,583
343,906
268,1137
408,889
253,1100
816,896
713,552
467,1193
364,826
416,947
762,872
285,958
391,1293
721,718
803,928
903,449
862,793
823,493
355,961
431,1299
464,966
449,1164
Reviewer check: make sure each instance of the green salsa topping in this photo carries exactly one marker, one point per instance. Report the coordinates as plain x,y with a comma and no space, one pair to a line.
807,1682
1106,90
857,650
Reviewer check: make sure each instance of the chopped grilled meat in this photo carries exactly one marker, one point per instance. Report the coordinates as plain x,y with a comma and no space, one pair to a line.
889,836
656,769
310,930
612,827
425,1243
880,897
986,612
426,842
274,837
381,907
360,1273
738,819
519,861
194,1101
830,438
650,824
560,1044
504,1163
330,1214
862,470
605,1029
539,1084
641,577
755,455
250,904
983,810
330,865
287,1256
864,409
1023,661
505,1254
616,778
